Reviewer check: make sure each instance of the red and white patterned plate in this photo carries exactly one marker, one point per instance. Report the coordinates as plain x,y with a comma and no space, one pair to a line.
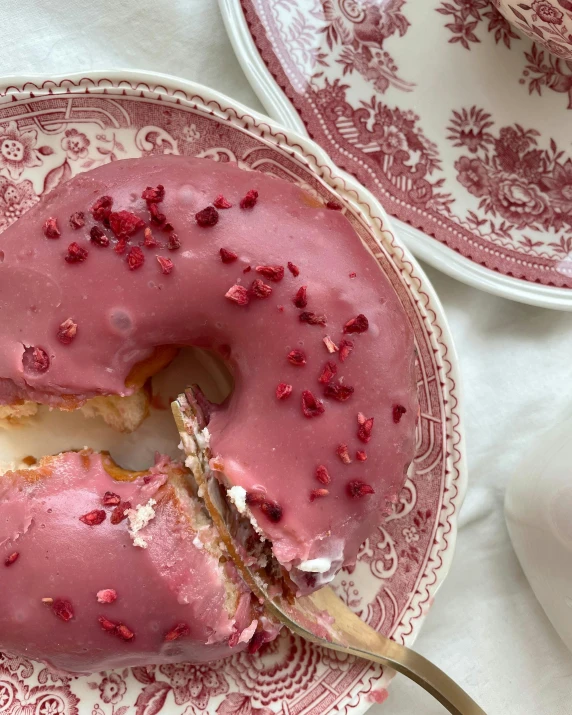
52,129
457,124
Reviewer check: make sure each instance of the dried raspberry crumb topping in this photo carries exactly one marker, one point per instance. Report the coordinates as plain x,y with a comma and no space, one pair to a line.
272,510
238,294
297,358
221,203
125,224
207,216
93,518
135,258
361,456
107,625
294,270
259,289
124,632
312,318
97,236
322,475
249,200
77,220
318,493
102,208
353,275
179,631
343,453
111,499
346,346
330,369
247,269
63,609
75,254
256,642
12,559
300,299
166,265
154,195
339,392
330,345
150,240
107,595
334,205
157,217
118,514
357,488
174,242
227,256
273,273
398,412
283,391
365,427
359,324
120,246
67,331
35,360
311,407
255,498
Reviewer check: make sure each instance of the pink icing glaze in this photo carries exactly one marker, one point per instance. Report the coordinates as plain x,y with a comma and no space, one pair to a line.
171,581
121,314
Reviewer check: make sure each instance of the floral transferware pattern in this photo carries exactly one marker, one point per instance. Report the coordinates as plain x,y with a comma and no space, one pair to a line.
546,21
68,130
463,153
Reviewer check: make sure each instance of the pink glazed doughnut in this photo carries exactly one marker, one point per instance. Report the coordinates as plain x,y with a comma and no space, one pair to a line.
314,442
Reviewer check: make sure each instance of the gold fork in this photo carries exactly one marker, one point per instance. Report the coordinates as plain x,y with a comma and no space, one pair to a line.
324,619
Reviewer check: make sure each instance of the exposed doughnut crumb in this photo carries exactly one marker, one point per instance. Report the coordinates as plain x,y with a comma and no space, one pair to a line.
179,631
94,518
154,195
273,273
259,289
361,456
318,493
76,253
356,488
272,510
150,240
174,242
125,224
359,324
77,220
12,559
107,595
312,318
227,256
283,391
67,331
63,609
119,513
97,236
101,209
331,347
398,412
166,265
221,203
365,427
328,372
334,205
35,360
135,258
111,499
343,453
238,294
322,474
294,270
339,392
297,358
300,300
311,407
207,217
346,346
249,199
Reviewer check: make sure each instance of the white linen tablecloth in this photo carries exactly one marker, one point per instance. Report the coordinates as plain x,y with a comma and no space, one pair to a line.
486,628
